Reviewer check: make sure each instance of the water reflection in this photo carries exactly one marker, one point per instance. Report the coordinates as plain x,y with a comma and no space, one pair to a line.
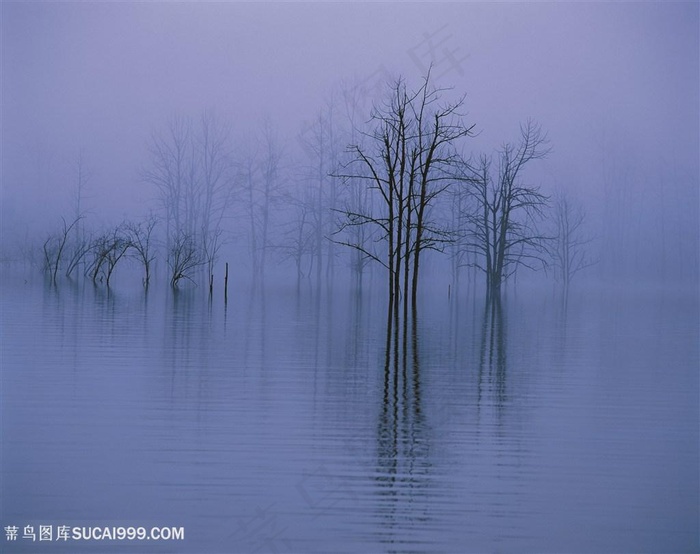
179,327
493,354
255,330
305,426
404,466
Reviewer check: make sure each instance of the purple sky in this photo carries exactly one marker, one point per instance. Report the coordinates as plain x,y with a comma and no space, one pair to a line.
100,77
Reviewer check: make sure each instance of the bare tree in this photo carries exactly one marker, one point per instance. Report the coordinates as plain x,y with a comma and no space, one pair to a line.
408,163
108,248
260,174
120,245
169,171
270,170
80,248
320,142
356,105
54,248
140,237
502,222
183,259
216,167
299,236
459,254
569,251
80,244
192,169
248,177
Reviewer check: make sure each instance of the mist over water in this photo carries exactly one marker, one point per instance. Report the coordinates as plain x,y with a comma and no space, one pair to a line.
614,87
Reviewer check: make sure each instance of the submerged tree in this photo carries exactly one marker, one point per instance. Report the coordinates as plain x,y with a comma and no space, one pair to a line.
320,142
191,168
140,236
212,149
54,248
183,259
569,250
501,224
108,248
407,161
260,175
355,197
79,246
298,237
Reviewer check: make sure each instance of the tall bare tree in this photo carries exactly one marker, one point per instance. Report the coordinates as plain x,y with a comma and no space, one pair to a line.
320,143
298,239
357,98
79,244
407,161
169,171
260,173
502,220
569,252
191,167
216,178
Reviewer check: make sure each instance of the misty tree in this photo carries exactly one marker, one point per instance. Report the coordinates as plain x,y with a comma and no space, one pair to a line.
260,175
248,169
270,177
54,248
191,168
501,223
171,157
79,245
215,196
99,248
108,248
312,231
140,237
458,203
320,142
407,162
361,237
569,248
184,258
80,248
298,239
357,98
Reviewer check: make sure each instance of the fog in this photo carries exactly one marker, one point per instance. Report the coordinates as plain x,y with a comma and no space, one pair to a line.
614,86
201,204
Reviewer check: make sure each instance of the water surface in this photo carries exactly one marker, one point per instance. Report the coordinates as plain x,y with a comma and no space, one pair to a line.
277,423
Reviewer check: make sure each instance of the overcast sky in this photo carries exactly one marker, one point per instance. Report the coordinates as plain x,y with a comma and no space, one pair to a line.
99,77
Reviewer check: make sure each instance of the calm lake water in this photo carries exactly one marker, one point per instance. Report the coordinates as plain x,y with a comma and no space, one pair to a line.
276,425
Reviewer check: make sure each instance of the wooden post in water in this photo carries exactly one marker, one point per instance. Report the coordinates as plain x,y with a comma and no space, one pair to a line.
211,285
226,284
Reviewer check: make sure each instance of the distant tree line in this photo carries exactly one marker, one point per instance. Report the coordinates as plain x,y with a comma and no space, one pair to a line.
381,179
